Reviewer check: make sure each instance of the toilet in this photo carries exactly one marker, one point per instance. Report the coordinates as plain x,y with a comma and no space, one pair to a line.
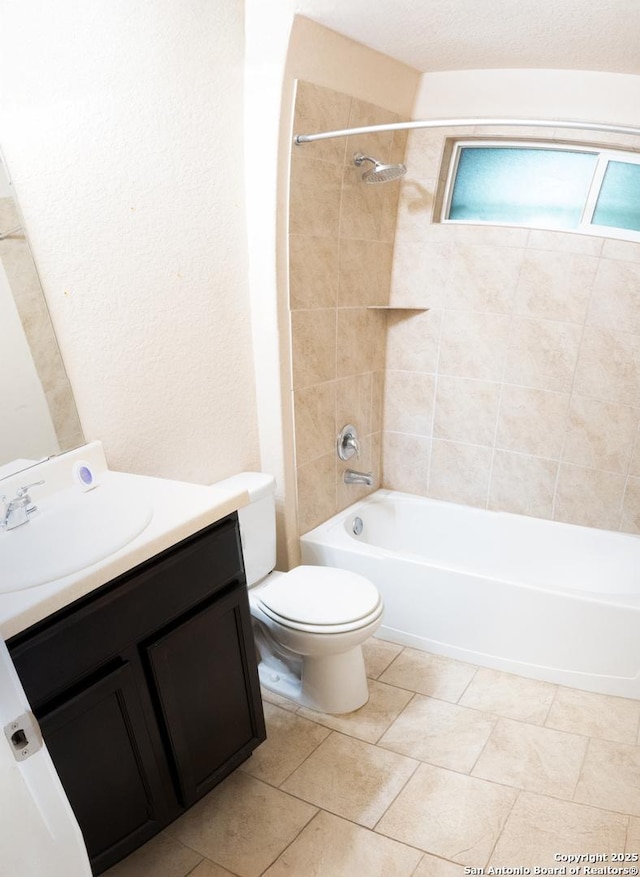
308,624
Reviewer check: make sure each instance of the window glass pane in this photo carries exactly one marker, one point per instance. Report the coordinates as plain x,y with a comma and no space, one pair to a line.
537,187
619,200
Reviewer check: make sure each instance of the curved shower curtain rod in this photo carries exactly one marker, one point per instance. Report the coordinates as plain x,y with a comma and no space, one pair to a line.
440,123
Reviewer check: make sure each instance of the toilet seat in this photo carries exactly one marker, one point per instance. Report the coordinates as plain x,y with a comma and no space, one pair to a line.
320,600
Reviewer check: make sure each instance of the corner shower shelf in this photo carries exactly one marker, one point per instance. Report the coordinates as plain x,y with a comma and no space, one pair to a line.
396,308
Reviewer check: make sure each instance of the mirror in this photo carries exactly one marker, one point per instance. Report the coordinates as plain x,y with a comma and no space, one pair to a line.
38,416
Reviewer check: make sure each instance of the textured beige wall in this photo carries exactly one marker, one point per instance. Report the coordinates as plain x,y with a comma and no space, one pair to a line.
323,57
122,125
519,388
341,248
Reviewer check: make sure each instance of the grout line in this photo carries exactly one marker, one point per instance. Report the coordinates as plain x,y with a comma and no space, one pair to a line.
343,169
216,865
465,689
550,707
418,764
634,447
504,825
571,392
395,719
191,870
530,386
386,667
599,809
626,837
430,855
581,771
181,842
435,394
527,454
391,663
329,731
512,319
484,746
294,839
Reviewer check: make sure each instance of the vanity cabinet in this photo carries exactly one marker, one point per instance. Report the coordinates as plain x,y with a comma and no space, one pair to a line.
146,690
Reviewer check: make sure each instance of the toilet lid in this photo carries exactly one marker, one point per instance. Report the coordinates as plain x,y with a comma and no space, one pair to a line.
320,595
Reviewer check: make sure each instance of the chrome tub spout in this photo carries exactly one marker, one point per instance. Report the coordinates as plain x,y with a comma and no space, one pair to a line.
353,477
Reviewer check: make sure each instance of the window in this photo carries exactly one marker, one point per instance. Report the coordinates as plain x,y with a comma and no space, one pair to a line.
618,204
540,186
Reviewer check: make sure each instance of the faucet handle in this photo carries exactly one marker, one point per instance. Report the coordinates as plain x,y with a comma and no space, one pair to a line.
23,491
22,494
348,443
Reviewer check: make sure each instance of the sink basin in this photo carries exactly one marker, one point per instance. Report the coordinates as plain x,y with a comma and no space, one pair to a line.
70,531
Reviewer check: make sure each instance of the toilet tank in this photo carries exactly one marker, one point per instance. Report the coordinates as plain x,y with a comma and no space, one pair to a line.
257,522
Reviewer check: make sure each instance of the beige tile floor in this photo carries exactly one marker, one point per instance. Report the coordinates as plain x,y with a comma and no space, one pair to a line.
447,766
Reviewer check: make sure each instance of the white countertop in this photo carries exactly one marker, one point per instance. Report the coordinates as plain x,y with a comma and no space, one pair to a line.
179,510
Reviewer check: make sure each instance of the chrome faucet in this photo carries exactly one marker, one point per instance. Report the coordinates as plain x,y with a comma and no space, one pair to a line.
353,477
348,444
17,510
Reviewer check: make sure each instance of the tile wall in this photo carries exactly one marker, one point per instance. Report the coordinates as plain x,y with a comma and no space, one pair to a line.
516,389
519,388
341,250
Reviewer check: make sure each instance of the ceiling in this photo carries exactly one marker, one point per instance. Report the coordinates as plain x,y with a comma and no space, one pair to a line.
435,35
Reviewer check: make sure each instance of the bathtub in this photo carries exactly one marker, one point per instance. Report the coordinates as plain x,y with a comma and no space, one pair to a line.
551,601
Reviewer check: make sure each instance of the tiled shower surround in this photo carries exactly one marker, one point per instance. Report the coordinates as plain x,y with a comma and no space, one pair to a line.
516,389
341,249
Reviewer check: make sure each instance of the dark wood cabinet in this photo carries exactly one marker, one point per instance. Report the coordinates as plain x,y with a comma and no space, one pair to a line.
146,691
201,656
102,752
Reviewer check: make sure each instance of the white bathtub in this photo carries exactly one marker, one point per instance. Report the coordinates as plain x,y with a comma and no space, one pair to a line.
547,600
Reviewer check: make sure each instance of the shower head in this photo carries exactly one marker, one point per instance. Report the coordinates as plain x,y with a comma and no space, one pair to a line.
379,173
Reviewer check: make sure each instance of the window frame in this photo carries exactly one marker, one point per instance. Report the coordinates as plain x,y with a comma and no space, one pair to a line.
586,224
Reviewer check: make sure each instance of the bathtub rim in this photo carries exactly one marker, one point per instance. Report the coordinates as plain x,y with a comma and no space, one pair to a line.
333,526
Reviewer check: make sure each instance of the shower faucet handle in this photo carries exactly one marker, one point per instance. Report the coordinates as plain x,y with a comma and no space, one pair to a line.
348,443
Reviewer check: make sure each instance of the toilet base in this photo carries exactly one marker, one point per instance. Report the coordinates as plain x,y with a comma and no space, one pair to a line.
329,684
285,684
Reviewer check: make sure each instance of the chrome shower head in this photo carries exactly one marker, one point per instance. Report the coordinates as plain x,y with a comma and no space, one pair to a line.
379,173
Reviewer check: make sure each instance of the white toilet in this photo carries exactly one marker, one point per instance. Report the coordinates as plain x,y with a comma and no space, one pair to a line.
309,624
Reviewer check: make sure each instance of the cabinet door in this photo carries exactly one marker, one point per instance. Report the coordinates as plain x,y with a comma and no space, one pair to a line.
101,750
207,691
